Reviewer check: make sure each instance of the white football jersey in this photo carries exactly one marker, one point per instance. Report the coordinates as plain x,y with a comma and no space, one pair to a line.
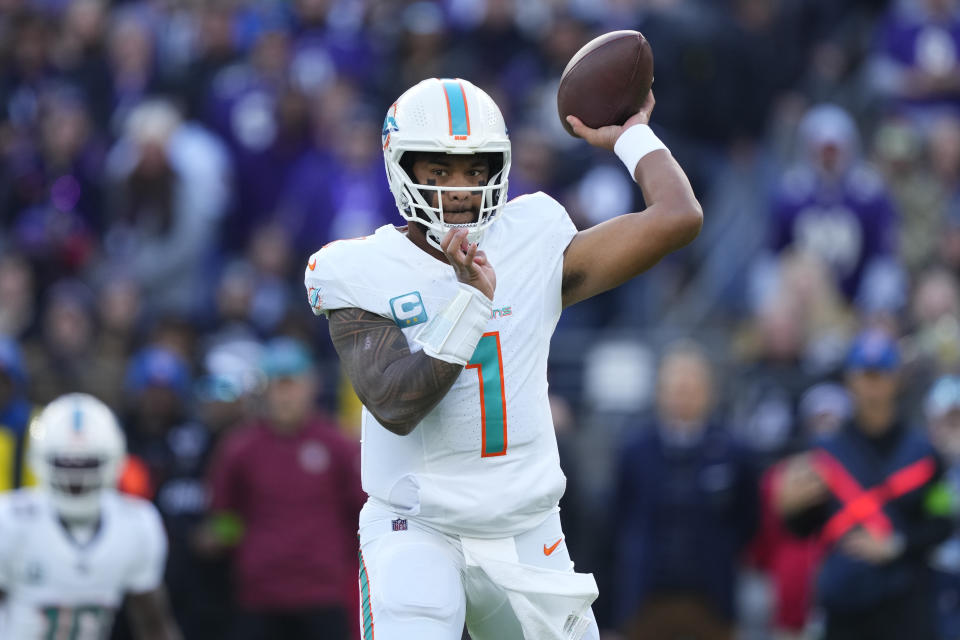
484,462
57,588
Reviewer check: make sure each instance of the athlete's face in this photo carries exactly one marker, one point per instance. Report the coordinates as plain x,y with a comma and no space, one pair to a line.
445,170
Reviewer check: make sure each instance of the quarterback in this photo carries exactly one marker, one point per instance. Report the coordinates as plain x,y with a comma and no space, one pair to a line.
443,327
72,548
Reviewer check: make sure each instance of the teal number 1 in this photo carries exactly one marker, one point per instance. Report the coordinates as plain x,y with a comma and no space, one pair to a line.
488,361
76,623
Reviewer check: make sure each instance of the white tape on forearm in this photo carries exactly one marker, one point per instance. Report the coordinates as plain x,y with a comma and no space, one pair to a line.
452,335
634,143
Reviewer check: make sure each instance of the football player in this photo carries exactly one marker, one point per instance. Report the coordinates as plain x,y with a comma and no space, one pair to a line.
72,547
444,327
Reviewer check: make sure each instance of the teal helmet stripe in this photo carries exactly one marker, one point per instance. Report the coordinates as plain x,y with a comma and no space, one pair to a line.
77,415
457,108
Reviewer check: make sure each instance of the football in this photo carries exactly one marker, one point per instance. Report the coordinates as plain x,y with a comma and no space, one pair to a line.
607,80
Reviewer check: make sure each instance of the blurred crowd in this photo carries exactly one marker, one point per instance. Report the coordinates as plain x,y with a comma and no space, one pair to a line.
166,167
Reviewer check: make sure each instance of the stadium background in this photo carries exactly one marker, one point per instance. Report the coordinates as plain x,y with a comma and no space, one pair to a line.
167,167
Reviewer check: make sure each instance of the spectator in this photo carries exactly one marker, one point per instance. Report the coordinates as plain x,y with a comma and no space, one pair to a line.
790,561
831,204
353,202
26,70
933,320
686,507
771,382
916,63
824,408
81,57
271,255
217,50
15,415
874,582
924,179
175,449
18,293
943,420
63,359
171,182
291,465
56,192
118,315
133,67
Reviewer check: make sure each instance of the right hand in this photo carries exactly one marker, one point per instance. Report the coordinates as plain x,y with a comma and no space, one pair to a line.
799,486
469,262
606,137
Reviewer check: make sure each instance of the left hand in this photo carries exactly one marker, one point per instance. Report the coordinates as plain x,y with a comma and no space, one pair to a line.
606,137
863,545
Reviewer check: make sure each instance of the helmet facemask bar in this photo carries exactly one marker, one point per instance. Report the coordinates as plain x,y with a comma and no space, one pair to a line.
76,482
415,208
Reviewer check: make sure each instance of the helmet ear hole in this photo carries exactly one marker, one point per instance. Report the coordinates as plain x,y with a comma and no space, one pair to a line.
406,163
407,160
494,164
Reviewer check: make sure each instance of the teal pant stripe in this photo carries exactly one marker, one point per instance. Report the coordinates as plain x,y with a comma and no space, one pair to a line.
365,601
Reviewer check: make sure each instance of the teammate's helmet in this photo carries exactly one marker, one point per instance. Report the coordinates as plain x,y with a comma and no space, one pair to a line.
76,448
445,116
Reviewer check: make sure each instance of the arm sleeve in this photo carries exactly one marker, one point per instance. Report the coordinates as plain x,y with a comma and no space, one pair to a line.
147,574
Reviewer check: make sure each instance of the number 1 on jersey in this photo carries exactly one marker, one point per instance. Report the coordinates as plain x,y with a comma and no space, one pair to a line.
488,361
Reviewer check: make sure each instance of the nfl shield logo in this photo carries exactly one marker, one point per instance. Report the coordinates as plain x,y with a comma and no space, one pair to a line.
400,524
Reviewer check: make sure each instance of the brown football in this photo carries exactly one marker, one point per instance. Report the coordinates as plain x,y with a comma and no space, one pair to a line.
607,80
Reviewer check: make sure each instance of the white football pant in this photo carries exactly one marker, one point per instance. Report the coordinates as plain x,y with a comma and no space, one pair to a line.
418,583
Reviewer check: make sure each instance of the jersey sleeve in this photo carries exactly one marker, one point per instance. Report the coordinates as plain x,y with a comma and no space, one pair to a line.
549,230
147,574
562,228
327,289
546,223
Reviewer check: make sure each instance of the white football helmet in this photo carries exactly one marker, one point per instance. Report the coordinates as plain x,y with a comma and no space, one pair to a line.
76,449
445,116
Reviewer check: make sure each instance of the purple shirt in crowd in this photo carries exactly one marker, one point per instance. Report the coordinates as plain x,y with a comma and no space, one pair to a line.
910,40
848,222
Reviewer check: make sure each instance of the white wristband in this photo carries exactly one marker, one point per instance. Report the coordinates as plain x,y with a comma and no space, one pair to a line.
634,143
452,335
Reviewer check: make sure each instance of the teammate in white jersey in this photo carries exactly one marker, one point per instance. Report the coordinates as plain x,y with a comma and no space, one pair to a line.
72,548
444,328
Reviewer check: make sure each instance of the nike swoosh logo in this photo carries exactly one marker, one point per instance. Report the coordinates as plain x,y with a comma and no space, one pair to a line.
313,264
548,550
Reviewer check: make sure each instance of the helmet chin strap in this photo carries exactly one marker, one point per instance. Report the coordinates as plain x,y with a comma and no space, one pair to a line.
434,237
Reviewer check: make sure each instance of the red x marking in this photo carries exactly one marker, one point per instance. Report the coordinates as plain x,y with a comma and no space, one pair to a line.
865,507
